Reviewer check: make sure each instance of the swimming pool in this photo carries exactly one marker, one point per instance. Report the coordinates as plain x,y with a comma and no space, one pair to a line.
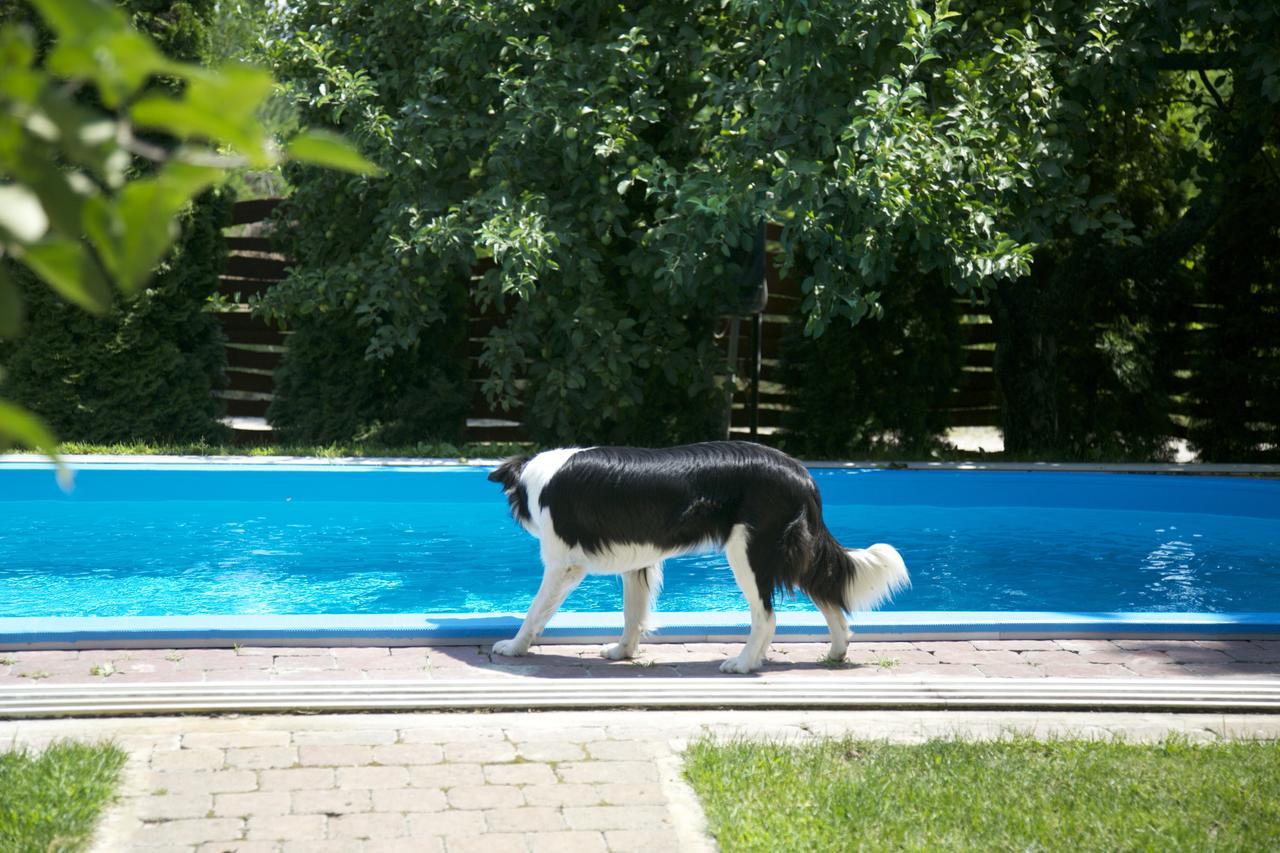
171,544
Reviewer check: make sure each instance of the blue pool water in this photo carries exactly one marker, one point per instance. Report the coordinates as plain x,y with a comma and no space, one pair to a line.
210,540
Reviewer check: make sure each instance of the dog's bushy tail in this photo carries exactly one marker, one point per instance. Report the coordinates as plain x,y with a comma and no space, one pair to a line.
856,579
879,573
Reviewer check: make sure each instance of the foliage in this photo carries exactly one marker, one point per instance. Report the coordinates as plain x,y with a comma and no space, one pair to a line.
146,366
1235,381
606,163
592,175
412,395
882,384
1164,112
144,369
239,33
239,28
1009,794
459,452
72,210
601,169
51,801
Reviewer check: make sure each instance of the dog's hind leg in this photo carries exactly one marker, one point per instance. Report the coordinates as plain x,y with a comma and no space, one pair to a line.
557,583
638,589
763,621
839,626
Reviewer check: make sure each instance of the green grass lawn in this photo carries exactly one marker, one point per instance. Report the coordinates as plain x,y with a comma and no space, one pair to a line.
51,801
484,449
497,449
1017,794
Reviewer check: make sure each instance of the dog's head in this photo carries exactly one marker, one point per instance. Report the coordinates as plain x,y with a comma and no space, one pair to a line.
508,474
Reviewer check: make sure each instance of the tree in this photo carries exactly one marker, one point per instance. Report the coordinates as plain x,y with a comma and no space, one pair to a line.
71,208
1164,112
609,163
604,166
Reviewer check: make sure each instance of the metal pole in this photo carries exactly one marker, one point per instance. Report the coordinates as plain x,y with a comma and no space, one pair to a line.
735,324
757,325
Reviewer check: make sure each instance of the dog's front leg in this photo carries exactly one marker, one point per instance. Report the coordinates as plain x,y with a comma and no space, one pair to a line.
752,656
637,593
556,585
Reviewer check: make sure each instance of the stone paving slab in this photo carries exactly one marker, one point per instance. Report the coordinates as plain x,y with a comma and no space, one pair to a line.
1126,658
562,781
554,781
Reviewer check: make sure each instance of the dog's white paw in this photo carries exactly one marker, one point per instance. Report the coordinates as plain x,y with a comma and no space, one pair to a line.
837,654
618,651
737,664
509,648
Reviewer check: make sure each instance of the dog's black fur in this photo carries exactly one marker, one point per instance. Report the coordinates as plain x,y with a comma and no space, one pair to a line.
685,498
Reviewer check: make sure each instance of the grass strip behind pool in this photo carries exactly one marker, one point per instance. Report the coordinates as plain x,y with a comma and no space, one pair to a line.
50,801
1015,794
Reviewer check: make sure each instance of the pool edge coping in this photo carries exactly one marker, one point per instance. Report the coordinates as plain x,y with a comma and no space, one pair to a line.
29,633
1241,469
455,629
1186,695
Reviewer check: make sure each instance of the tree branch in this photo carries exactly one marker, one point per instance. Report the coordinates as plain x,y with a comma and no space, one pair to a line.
1202,214
1217,99
1088,263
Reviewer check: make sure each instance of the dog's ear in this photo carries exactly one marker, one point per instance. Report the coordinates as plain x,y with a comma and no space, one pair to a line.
508,473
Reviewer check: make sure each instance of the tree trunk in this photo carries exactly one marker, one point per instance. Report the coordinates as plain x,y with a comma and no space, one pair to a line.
1026,365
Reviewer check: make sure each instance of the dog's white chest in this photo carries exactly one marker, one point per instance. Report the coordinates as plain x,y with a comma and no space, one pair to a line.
620,558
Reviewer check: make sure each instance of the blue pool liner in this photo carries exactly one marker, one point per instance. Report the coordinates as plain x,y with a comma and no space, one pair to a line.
280,482
480,629
455,483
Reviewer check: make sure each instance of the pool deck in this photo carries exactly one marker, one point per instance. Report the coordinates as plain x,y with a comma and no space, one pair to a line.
1083,674
559,782
606,780
879,661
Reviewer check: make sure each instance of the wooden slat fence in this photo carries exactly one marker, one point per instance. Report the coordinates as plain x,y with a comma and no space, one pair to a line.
1258,354
254,348
973,402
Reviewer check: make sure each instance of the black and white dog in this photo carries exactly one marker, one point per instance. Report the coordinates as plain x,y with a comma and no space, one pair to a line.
623,510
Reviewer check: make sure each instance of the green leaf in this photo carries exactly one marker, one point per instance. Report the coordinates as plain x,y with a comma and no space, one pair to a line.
17,48
329,149
71,18
143,202
85,137
61,200
19,426
68,268
218,106
21,214
18,84
95,43
133,233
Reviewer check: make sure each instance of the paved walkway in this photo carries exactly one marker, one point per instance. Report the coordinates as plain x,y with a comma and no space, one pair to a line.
546,781
958,658
554,781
